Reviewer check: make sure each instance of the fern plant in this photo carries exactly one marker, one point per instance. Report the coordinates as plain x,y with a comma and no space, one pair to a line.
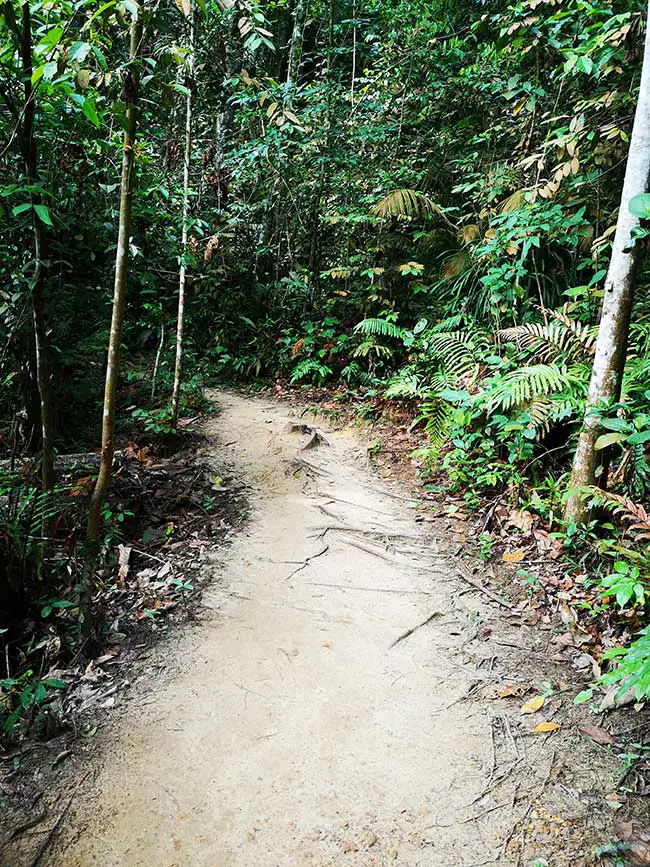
310,368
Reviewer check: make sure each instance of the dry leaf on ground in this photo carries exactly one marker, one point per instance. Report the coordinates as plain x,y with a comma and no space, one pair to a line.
513,556
600,736
548,726
533,704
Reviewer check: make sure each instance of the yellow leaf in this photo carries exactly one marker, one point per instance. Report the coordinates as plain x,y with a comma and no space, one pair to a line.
519,105
543,727
271,109
513,556
575,165
533,704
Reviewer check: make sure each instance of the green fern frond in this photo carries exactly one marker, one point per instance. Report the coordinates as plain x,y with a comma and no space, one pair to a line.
451,323
459,352
544,412
367,346
312,368
382,327
406,385
521,386
438,415
550,340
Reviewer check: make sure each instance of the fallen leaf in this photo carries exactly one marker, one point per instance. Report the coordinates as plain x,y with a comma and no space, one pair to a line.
505,691
81,487
548,726
533,704
600,736
513,556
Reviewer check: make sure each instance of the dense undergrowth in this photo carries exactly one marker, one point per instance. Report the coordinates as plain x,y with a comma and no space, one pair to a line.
412,201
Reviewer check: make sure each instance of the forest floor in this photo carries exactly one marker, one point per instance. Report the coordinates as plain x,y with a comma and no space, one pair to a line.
350,695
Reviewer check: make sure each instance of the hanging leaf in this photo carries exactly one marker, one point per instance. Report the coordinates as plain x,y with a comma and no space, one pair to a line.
43,214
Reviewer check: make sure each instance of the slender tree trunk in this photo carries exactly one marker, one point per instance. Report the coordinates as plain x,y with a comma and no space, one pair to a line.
121,273
30,160
611,347
295,52
180,322
354,51
156,365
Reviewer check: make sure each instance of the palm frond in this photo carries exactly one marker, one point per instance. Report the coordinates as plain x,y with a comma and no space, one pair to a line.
634,514
381,327
451,323
584,334
407,203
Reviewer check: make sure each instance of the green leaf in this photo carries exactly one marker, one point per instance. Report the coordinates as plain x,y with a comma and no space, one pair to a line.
20,209
100,58
50,39
90,111
43,214
79,51
54,683
582,697
608,440
636,439
50,70
181,89
640,206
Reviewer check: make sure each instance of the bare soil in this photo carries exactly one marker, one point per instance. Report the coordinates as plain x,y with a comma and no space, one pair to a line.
347,700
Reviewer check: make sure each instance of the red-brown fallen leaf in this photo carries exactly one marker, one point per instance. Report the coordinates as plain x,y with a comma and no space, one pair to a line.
82,487
505,691
600,736
548,726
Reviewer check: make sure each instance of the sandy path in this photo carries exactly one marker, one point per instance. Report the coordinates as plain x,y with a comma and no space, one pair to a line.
290,732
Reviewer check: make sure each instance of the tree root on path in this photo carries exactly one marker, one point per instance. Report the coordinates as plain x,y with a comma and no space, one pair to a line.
363,532
307,561
462,573
413,629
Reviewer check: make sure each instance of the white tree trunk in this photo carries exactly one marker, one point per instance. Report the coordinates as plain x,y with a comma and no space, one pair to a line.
180,322
611,347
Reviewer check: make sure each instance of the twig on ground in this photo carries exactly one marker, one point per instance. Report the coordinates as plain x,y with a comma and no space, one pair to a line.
462,573
45,845
369,589
307,561
413,629
369,550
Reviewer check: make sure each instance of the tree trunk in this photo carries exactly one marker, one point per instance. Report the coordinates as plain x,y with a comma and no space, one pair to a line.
295,52
132,77
180,322
611,347
30,158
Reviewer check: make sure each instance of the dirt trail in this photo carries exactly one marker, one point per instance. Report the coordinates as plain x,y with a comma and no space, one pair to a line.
292,729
